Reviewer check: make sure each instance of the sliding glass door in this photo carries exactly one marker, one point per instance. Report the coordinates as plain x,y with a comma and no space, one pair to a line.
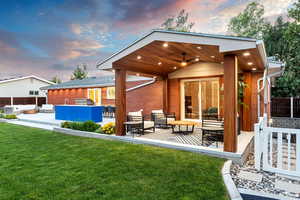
199,98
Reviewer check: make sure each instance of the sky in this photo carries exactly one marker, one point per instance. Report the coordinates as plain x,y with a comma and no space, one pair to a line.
50,38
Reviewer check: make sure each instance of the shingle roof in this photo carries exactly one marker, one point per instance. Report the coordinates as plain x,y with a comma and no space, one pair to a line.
92,82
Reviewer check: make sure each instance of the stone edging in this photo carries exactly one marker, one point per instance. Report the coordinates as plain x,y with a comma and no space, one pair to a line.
230,186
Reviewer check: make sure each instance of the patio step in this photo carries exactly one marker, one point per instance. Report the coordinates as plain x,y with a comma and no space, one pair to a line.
39,122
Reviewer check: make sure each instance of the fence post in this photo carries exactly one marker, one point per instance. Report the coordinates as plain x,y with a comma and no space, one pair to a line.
292,107
257,149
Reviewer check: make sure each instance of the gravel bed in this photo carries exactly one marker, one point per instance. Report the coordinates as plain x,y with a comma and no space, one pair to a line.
267,185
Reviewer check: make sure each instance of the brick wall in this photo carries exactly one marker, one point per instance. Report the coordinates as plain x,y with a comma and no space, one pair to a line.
62,96
147,98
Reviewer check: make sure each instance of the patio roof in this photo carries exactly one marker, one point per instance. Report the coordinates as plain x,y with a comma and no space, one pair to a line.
160,52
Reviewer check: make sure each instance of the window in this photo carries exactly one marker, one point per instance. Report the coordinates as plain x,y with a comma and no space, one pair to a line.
110,93
36,92
31,92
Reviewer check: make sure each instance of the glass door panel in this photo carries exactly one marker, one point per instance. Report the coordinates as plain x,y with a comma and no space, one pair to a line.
209,99
191,100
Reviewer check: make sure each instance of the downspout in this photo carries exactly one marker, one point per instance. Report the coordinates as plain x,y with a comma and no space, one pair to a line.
141,85
264,78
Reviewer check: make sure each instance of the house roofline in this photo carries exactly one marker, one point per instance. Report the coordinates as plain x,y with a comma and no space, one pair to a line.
176,32
26,77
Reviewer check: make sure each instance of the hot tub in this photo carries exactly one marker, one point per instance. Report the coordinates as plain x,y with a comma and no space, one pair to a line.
78,113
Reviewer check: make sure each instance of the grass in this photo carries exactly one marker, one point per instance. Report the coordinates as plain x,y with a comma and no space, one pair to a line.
39,164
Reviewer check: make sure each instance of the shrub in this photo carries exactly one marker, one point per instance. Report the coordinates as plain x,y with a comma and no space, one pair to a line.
109,128
10,117
90,126
99,130
81,126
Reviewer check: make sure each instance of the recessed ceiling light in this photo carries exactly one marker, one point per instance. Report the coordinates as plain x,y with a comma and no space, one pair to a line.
165,44
137,74
253,69
183,63
139,57
222,62
246,54
154,76
159,63
250,63
212,56
197,59
113,70
199,47
174,67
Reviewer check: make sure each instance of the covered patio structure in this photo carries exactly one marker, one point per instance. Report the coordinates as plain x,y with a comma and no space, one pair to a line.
198,72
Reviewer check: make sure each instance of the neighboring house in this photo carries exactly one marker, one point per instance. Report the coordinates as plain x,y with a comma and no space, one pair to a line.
101,90
23,90
198,73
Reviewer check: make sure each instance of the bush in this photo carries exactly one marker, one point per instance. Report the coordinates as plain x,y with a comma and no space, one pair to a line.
9,116
89,126
109,128
99,130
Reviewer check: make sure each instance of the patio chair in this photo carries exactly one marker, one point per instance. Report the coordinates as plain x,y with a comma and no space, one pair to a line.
47,108
144,125
161,119
212,130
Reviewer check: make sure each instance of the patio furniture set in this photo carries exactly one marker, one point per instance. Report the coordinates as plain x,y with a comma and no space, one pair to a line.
28,109
137,124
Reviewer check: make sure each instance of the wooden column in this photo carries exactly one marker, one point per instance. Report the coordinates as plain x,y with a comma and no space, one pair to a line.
230,103
120,84
165,95
247,111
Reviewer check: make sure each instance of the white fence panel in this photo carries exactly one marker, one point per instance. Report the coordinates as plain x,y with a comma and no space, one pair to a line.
277,149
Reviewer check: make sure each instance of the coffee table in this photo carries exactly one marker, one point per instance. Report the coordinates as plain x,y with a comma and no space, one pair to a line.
134,127
184,127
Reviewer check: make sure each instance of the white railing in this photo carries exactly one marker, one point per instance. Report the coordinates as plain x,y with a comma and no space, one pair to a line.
277,149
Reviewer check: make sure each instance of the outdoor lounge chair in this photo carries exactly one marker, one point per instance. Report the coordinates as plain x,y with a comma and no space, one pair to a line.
162,119
144,125
47,108
212,130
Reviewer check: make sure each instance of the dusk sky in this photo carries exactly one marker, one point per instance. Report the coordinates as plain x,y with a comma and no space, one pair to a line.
50,37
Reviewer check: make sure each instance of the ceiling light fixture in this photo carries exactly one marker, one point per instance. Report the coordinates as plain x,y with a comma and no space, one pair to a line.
253,69
212,56
159,63
165,44
137,74
174,67
246,54
183,63
199,47
222,62
197,59
113,70
139,57
250,63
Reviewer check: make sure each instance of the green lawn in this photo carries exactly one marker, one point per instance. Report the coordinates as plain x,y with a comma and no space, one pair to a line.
39,164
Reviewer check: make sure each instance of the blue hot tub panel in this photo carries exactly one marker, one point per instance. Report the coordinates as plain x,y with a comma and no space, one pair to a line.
78,113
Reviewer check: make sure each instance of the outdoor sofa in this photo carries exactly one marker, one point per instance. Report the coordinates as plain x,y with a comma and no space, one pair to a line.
17,109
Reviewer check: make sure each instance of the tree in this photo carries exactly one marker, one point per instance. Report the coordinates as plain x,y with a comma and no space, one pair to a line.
282,40
289,83
56,80
180,23
80,72
250,22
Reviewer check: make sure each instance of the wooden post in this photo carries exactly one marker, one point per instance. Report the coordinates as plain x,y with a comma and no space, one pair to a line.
120,84
230,103
165,95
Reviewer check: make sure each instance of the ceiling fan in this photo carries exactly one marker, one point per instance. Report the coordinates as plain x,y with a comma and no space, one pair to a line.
184,61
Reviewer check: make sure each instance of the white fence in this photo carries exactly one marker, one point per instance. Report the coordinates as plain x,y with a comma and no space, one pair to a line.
277,149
